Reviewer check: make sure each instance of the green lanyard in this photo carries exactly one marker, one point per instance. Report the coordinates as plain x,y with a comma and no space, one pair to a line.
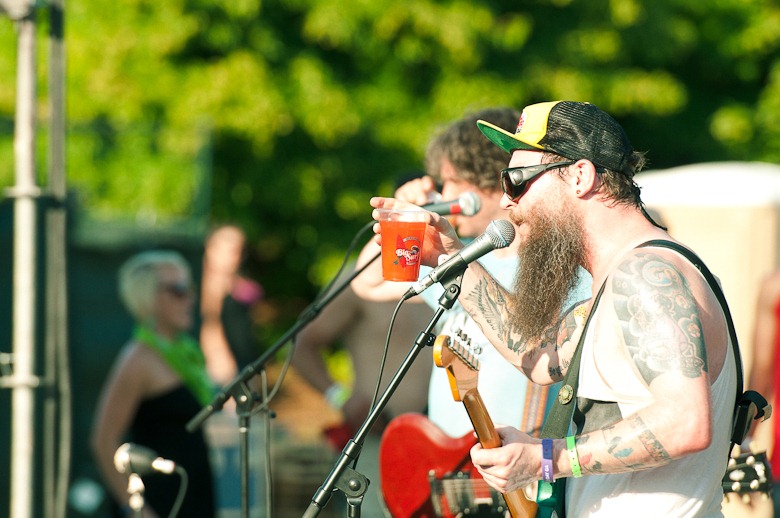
184,356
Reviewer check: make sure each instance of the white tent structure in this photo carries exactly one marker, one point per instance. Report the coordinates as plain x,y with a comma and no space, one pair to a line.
729,213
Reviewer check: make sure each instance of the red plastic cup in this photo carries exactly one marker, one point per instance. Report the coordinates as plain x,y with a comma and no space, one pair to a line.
402,241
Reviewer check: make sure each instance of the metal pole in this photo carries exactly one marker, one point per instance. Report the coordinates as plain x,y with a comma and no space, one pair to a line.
24,289
58,400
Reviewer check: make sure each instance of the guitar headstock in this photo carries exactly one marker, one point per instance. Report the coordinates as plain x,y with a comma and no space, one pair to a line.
454,354
748,473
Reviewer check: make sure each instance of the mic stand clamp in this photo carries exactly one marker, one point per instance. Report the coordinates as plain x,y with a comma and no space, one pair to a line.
451,292
342,476
354,486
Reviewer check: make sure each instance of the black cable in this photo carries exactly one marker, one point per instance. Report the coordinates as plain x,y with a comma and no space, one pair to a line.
382,364
182,491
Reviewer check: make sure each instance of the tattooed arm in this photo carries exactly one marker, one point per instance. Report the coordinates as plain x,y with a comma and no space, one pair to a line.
545,360
662,342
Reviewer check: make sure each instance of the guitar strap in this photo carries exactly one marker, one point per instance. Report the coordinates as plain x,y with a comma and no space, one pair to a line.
556,426
550,496
749,405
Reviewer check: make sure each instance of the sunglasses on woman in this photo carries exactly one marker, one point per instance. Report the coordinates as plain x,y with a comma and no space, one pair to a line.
177,289
515,179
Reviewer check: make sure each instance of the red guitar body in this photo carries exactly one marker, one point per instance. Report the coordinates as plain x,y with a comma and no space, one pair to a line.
426,474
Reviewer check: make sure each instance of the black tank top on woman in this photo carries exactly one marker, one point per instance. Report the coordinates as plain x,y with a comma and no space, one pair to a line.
159,424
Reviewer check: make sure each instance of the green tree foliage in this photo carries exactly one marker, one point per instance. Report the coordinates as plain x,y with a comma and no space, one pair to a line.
312,106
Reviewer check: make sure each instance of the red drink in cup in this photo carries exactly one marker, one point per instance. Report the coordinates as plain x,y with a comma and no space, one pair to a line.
402,241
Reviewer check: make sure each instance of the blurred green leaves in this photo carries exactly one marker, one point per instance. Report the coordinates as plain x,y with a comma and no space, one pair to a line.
303,109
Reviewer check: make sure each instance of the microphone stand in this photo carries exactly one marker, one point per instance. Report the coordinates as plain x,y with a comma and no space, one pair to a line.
240,391
342,477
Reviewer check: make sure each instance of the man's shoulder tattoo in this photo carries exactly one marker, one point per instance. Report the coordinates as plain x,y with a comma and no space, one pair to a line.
659,317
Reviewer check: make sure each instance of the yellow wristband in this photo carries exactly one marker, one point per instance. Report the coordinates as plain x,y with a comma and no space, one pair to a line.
574,459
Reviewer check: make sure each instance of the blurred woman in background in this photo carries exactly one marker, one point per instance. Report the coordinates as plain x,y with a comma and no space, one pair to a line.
157,384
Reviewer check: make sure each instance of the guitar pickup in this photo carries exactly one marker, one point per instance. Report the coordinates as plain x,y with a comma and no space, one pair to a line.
461,494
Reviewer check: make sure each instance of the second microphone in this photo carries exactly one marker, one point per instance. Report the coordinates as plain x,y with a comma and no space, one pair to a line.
467,204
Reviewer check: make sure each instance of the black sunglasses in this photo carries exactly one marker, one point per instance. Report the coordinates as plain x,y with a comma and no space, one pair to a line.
177,289
514,179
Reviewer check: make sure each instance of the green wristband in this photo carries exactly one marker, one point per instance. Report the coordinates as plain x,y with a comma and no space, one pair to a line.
574,459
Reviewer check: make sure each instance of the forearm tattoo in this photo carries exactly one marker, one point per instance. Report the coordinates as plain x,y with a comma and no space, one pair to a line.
651,443
494,309
588,463
492,305
659,316
619,447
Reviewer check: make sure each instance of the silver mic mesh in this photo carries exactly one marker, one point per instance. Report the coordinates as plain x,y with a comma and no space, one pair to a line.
470,203
501,233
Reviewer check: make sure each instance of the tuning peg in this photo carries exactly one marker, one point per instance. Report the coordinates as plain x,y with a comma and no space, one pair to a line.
737,476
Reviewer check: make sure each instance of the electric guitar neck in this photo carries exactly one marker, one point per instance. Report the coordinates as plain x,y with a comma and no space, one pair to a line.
462,371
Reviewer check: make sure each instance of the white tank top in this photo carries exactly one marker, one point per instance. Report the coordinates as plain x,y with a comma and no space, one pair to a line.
686,487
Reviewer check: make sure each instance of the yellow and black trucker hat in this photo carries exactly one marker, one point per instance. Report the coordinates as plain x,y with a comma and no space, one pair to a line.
571,129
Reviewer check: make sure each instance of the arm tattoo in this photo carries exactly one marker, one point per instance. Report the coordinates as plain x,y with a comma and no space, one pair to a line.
494,309
652,445
659,316
561,335
492,304
619,446
587,462
616,447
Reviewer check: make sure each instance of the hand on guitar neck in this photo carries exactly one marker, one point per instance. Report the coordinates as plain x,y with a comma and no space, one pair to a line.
462,371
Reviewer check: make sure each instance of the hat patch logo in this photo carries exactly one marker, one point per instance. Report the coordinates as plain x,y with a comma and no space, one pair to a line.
520,123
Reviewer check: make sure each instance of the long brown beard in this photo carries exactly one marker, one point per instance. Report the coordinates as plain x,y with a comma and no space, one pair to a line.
550,258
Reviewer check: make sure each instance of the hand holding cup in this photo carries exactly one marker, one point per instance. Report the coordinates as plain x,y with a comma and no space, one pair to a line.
403,233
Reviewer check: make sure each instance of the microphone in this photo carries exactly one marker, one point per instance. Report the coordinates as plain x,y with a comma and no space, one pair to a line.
132,458
467,204
499,234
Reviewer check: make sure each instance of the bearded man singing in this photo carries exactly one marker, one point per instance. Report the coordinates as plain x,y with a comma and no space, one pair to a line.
657,375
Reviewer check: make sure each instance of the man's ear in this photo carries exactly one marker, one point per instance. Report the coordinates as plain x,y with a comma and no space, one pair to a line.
583,178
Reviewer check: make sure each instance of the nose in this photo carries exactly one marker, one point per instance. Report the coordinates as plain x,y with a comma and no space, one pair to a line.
506,202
